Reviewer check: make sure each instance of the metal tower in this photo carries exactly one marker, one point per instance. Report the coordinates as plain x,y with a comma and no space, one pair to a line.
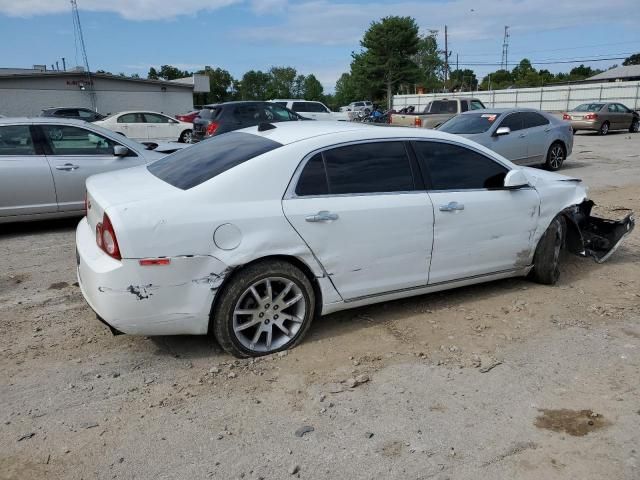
77,31
504,64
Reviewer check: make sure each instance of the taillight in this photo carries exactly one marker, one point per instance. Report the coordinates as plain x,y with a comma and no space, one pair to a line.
390,118
590,116
417,122
566,116
212,127
106,238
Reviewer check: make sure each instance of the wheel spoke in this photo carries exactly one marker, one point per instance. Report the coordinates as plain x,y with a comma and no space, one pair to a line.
241,311
269,337
284,292
256,337
291,318
295,299
269,290
250,323
254,292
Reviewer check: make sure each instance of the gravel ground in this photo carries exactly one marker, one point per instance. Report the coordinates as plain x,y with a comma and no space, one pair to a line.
503,380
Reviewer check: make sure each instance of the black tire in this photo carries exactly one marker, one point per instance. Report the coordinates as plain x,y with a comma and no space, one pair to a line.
635,126
185,137
574,131
233,293
546,260
555,156
604,128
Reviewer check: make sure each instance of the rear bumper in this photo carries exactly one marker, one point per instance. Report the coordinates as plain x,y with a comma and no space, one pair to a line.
174,299
585,124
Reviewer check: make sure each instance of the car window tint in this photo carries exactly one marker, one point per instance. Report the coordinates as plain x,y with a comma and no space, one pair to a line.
464,106
70,113
276,113
611,108
16,140
533,119
315,107
369,168
453,167
129,118
192,166
476,105
514,121
249,114
299,107
622,108
68,140
85,114
444,106
470,123
155,118
313,179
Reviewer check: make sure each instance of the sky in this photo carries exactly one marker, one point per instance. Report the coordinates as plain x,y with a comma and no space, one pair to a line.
313,36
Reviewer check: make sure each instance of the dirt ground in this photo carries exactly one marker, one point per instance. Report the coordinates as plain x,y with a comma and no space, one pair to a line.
507,380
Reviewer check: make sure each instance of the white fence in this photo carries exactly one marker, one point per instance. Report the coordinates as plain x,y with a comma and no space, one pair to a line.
551,99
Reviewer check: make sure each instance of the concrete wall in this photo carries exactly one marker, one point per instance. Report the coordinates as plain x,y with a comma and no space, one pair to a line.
24,96
551,99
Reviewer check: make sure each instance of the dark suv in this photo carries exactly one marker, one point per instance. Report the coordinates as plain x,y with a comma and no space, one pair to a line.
226,117
85,114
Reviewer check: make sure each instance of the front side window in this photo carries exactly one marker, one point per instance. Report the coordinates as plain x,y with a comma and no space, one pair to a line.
155,118
622,109
477,105
454,167
369,168
192,166
276,113
68,140
316,107
514,121
16,140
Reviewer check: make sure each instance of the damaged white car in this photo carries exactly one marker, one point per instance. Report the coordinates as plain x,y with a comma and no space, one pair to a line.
252,234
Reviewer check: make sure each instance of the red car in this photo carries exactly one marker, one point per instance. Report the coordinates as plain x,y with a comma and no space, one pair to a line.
188,117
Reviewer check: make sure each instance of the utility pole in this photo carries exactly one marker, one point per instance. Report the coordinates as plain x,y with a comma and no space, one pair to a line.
504,64
446,55
77,31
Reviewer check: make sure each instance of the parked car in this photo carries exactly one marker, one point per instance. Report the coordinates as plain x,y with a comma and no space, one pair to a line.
148,126
523,136
188,117
364,105
78,113
225,117
436,112
312,110
603,117
254,233
44,163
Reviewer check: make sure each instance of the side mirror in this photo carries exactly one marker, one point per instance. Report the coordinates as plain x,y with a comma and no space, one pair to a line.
502,131
120,151
515,179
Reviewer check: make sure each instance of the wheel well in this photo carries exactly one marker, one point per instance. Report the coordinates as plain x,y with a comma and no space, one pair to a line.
562,144
573,239
304,268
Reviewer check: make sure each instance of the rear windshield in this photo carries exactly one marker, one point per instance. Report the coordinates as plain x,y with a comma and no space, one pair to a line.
444,106
196,164
589,107
209,113
470,123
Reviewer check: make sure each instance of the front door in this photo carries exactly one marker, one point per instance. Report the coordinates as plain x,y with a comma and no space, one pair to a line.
75,153
480,228
161,127
26,182
512,146
362,211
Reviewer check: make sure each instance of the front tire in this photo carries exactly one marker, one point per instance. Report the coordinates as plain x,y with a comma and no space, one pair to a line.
555,156
267,307
546,260
635,126
604,129
186,136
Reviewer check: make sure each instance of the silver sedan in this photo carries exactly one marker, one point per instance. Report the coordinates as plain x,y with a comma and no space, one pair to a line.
44,163
523,136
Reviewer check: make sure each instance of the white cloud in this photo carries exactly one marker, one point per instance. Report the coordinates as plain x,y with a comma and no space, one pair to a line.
268,6
128,9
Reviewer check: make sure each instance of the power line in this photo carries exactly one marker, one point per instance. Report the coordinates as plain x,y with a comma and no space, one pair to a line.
584,60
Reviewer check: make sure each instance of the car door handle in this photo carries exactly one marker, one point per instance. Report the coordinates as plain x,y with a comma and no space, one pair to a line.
451,207
322,216
67,167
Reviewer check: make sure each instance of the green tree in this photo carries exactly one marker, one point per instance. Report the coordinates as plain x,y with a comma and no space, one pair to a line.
390,46
463,80
297,90
222,86
429,63
281,82
313,88
632,60
153,74
346,90
253,85
497,80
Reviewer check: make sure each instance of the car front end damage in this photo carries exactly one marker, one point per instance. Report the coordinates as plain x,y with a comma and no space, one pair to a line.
595,237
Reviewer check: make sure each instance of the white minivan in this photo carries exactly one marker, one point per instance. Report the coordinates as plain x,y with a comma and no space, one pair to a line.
311,109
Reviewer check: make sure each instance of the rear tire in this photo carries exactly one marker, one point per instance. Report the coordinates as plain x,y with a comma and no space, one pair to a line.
254,317
186,136
604,128
635,126
546,260
555,156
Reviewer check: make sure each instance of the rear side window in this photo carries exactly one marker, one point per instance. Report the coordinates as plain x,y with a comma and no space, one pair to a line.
313,179
533,119
443,106
454,167
192,166
16,140
131,118
369,168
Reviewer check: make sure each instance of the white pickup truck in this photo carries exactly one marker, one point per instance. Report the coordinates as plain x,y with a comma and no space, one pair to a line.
312,109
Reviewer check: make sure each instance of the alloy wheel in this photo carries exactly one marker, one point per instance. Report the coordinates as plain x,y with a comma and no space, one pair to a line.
269,314
556,157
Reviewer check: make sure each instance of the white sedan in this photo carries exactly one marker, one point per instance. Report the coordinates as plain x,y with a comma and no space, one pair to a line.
252,234
144,126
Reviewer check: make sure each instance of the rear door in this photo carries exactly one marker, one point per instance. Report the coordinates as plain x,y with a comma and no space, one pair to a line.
538,130
513,146
132,125
480,228
363,212
75,153
26,181
626,117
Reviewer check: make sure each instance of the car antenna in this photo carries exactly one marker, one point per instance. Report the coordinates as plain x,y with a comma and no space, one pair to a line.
265,126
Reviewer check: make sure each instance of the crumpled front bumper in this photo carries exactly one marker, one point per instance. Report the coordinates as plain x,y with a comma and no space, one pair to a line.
595,237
